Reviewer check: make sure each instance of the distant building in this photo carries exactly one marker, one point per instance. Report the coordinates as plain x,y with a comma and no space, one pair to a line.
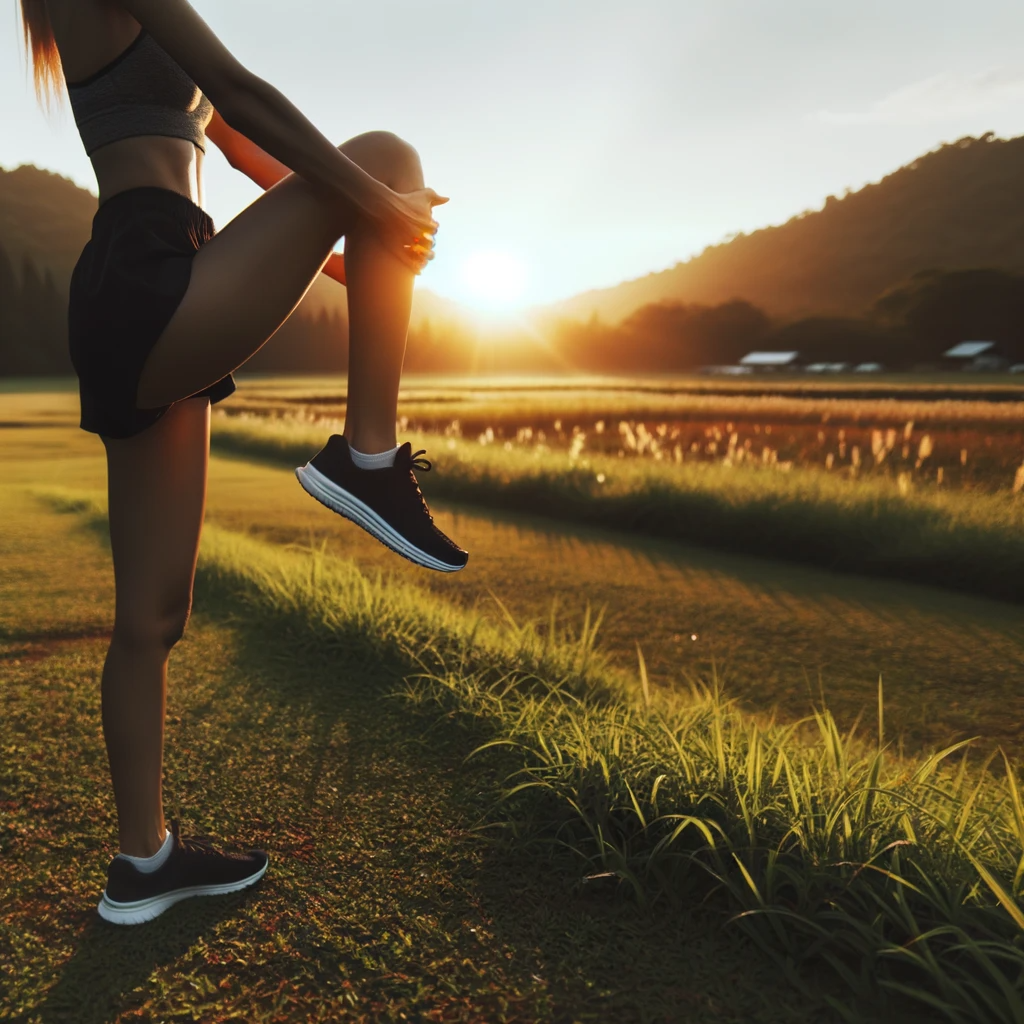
969,349
978,356
1017,368
828,367
768,361
730,370
868,368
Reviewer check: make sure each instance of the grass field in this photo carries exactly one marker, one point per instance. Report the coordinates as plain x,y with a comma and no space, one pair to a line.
777,634
965,540
385,902
969,431
293,671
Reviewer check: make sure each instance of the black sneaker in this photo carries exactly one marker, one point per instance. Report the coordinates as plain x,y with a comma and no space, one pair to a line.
193,868
387,503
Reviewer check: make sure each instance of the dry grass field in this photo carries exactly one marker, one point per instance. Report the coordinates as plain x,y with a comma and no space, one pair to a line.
973,432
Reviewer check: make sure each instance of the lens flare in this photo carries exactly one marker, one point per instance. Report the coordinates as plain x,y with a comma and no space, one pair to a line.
494,279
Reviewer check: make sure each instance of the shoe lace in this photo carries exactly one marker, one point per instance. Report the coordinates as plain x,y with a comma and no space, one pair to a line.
424,465
193,844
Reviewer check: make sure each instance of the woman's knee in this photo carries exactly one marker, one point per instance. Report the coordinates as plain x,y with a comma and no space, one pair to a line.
388,157
158,630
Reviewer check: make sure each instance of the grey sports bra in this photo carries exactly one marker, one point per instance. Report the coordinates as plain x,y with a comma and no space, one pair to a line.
142,91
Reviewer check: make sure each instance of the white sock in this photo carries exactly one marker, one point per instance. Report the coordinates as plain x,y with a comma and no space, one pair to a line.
147,865
382,460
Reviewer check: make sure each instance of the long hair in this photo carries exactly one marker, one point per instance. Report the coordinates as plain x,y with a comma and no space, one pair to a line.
47,73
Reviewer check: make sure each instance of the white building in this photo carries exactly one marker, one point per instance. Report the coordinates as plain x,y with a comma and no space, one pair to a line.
770,360
828,367
977,355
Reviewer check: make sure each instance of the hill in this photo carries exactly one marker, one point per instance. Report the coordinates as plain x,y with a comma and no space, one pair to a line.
959,207
45,217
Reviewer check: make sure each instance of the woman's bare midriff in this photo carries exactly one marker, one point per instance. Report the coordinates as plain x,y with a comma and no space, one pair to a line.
150,160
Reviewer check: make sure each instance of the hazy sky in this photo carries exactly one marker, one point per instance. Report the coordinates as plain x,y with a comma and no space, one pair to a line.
596,141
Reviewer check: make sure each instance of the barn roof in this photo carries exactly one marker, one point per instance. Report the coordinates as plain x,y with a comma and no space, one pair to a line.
969,349
768,358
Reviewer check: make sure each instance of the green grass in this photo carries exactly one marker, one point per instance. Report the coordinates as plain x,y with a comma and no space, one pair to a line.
903,876
290,725
386,901
777,633
967,541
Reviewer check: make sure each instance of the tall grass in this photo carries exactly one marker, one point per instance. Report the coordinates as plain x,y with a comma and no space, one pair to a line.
972,542
903,877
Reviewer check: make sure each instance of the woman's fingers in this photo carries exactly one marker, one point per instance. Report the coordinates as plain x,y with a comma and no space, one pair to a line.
417,248
415,256
428,224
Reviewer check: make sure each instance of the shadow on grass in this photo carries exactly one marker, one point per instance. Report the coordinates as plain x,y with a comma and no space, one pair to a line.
570,950
499,930
112,962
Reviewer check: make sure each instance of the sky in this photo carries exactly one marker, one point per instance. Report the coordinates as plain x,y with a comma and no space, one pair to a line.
585,142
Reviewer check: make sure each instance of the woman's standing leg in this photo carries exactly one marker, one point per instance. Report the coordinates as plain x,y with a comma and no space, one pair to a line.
157,495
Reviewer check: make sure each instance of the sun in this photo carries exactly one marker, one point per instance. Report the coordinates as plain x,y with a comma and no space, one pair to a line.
494,279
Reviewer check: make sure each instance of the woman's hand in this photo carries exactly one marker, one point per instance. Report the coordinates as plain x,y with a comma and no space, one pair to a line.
409,228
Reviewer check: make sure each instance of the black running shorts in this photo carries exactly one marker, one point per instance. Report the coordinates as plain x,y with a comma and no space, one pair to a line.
126,285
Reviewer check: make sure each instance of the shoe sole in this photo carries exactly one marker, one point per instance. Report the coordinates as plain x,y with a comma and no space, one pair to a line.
337,499
140,911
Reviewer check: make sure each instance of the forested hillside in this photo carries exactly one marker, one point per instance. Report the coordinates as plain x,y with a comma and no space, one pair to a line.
959,207
44,217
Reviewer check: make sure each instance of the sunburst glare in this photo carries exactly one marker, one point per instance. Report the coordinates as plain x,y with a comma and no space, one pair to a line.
493,279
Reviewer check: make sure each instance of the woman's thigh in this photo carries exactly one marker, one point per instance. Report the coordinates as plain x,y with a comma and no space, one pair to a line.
156,483
250,276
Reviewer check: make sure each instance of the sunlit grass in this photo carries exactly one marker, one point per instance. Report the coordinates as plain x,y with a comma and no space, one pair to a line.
875,525
383,903
905,876
952,435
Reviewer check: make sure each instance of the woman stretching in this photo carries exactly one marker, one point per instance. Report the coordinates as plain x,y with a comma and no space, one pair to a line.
163,310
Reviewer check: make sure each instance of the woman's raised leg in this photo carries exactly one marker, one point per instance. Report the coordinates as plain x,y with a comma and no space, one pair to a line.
245,283
157,492
248,278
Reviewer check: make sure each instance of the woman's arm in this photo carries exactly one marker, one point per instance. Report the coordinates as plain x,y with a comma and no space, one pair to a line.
259,112
244,155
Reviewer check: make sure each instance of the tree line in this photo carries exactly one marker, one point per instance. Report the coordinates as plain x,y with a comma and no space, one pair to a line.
908,327
33,322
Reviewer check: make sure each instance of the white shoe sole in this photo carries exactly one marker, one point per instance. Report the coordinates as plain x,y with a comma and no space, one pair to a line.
145,910
328,493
